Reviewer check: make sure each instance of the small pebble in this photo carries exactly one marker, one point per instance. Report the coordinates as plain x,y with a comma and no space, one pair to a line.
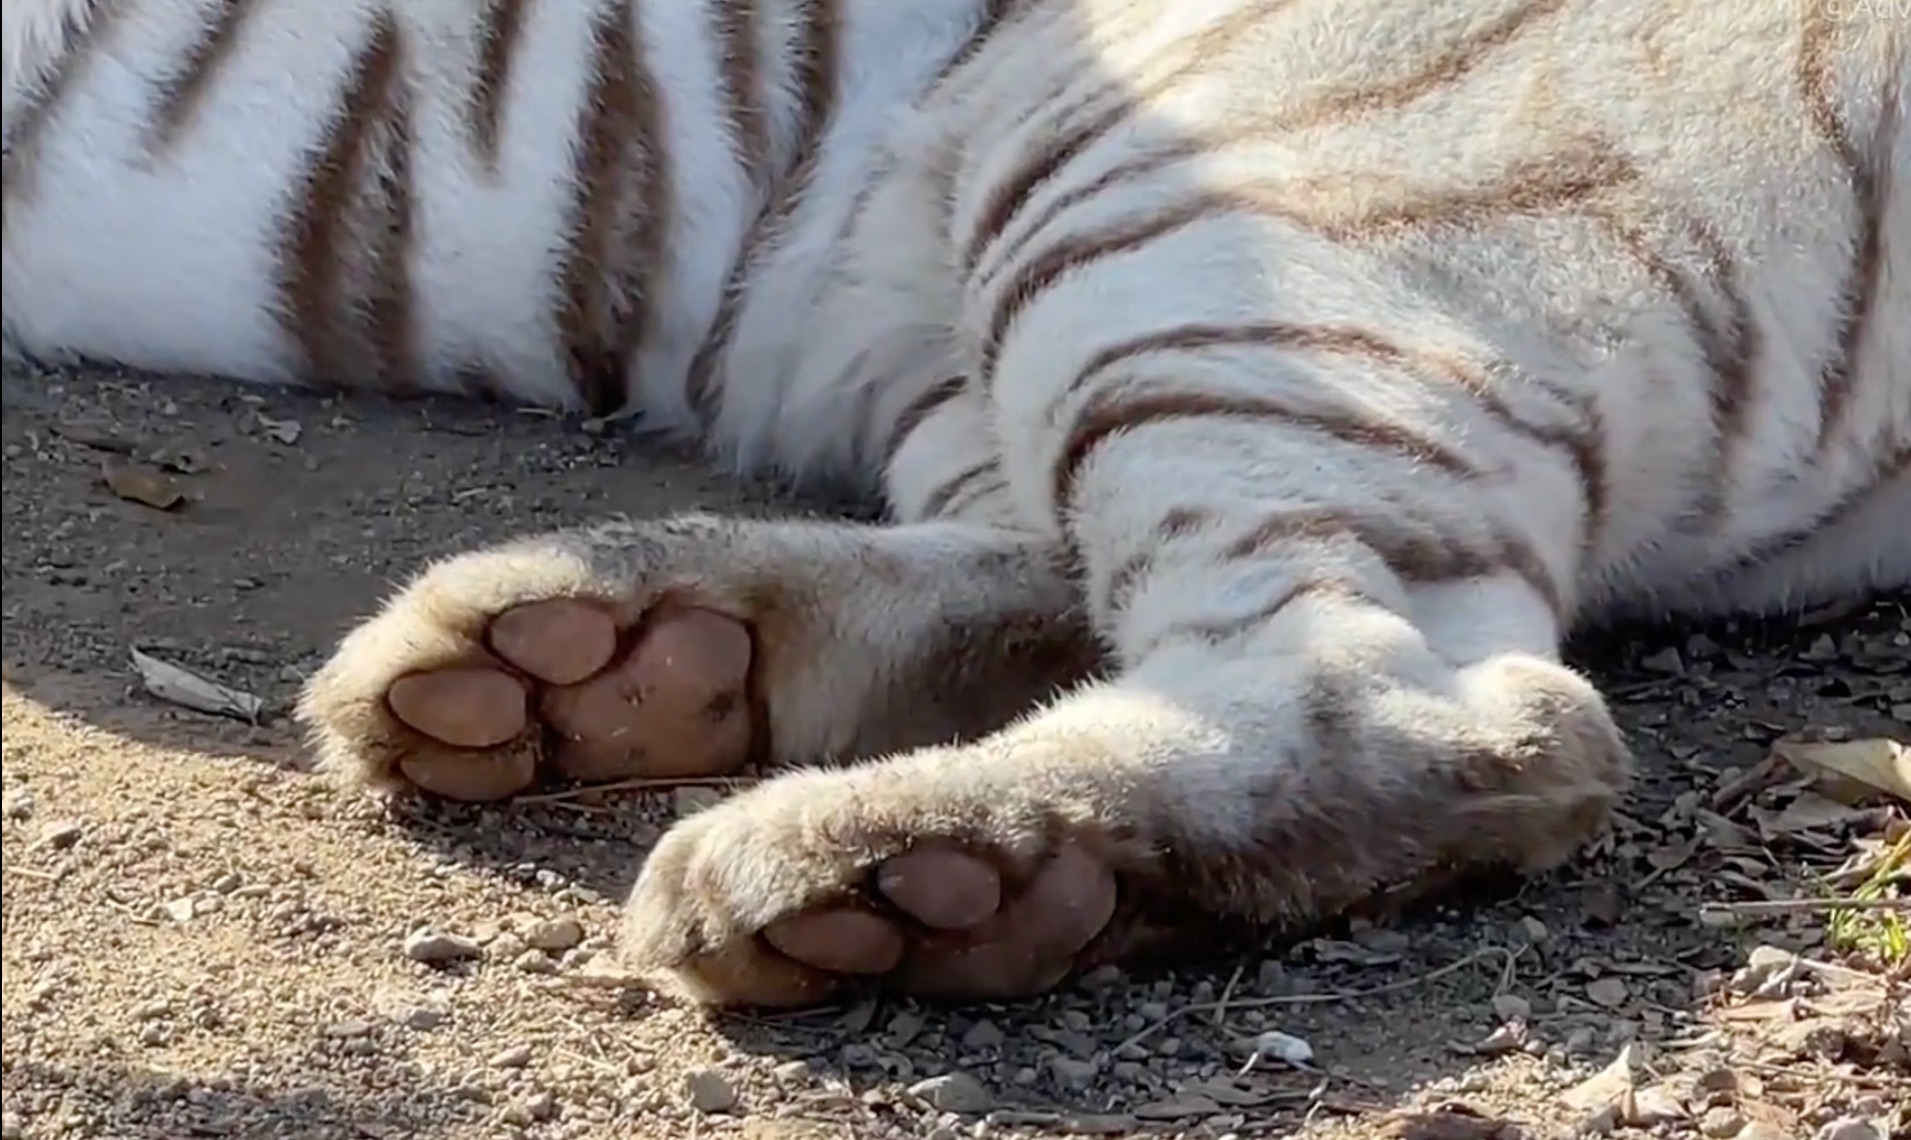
1071,1073
1608,992
347,1029
434,947
557,935
530,1110
516,1057
534,962
60,834
709,1091
423,1017
984,1034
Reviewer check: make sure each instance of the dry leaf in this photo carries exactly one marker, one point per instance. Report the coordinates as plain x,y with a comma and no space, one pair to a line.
1671,858
1808,812
1452,1122
187,689
1229,1094
141,484
285,431
1179,1108
1722,832
1876,762
1605,1087
1643,1108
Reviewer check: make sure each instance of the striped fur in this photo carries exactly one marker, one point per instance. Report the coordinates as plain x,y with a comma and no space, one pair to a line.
1315,365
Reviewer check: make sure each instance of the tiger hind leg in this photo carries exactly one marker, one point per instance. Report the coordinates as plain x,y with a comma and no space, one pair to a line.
1333,684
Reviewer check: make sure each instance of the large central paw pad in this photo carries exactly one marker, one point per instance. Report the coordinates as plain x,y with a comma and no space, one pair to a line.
560,685
940,920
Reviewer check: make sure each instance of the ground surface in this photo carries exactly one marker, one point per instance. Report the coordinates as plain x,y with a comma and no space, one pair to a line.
204,940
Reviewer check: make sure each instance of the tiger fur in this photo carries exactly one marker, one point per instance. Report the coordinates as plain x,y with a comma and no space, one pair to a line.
1258,391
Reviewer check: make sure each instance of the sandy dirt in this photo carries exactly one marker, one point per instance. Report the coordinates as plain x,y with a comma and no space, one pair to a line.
203,939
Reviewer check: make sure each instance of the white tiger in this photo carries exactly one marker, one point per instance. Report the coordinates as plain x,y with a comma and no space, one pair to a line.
1258,390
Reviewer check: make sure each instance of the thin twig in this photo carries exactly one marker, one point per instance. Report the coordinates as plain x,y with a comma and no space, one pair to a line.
597,1063
580,808
131,915
1227,993
1749,783
602,981
1320,999
1861,1080
1807,906
728,783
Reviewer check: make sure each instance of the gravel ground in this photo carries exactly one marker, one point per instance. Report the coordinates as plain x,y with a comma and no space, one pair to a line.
204,940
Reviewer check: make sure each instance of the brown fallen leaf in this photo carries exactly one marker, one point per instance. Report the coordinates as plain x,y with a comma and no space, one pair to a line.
1873,763
1452,1122
1809,812
1232,1094
1178,1108
1604,1088
138,483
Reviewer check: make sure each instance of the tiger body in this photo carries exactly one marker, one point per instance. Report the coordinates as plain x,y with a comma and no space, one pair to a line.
1259,392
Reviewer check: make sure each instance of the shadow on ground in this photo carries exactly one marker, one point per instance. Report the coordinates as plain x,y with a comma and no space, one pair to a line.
134,1103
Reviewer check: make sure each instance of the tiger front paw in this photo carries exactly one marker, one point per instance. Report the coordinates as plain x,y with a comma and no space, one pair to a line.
540,659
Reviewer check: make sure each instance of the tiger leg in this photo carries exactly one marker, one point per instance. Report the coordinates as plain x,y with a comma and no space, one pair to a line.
692,646
1861,548
1339,677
